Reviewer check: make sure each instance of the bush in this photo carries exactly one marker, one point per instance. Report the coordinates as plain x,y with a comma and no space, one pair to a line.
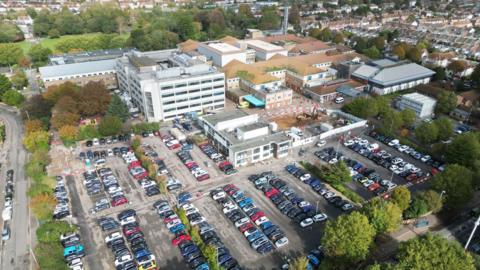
50,231
13,98
88,132
418,207
42,206
50,256
145,127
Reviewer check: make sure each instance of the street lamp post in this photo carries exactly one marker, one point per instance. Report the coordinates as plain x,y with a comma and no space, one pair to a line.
442,193
477,223
316,208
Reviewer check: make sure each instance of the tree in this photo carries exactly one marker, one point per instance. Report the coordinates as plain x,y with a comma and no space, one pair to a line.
446,102
93,99
391,120
300,263
88,132
475,76
463,150
426,133
445,128
338,38
360,44
39,54
294,15
383,216
269,20
379,43
414,54
110,125
36,140
5,84
433,200
50,256
401,197
68,134
36,107
457,66
439,74
417,208
67,104
372,52
42,206
54,93
456,181
63,119
118,108
338,173
408,117
53,33
19,79
348,239
210,253
399,51
33,125
13,98
325,34
431,252
362,107
10,54
50,231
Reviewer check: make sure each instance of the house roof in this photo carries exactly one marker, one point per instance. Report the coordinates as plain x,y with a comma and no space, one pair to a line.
365,72
309,47
398,74
188,45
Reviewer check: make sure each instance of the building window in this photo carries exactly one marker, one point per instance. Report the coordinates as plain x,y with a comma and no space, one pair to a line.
193,83
218,79
167,87
180,85
206,81
167,95
256,150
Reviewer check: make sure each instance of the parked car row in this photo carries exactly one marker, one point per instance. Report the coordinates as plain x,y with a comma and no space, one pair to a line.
111,186
170,141
102,154
286,199
109,140
394,143
262,235
141,174
8,204
385,159
73,250
62,209
199,173
224,165
319,187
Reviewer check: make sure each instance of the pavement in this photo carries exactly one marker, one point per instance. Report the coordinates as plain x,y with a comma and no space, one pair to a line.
15,252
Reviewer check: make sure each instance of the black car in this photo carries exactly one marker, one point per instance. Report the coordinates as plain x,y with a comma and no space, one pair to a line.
152,191
126,213
137,241
196,262
61,214
89,143
192,256
102,141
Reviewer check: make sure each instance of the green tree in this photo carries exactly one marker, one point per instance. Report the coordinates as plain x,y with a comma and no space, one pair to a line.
433,200
325,34
360,44
10,54
431,252
50,256
39,54
13,98
50,231
379,43
118,108
456,181
68,23
5,84
414,54
10,33
417,208
36,140
294,15
372,52
269,20
338,38
88,132
53,33
399,51
464,150
446,102
439,74
19,79
383,216
338,173
391,120
210,253
401,197
300,263
445,128
348,239
362,107
426,133
110,125
408,117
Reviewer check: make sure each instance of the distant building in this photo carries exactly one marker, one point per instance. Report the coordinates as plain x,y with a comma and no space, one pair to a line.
81,73
264,50
423,106
243,138
222,53
167,84
386,76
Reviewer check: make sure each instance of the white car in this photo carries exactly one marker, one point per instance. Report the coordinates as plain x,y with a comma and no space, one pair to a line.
113,236
229,208
96,142
305,177
304,204
367,183
219,195
173,223
391,186
333,161
281,242
393,168
348,143
241,222
247,233
363,142
110,152
191,211
261,220
128,220
306,222
402,148
328,195
187,206
347,207
114,189
320,217
7,213
75,263
122,260
197,221
321,143
397,160
372,147
414,170
393,142
425,158
399,170
147,184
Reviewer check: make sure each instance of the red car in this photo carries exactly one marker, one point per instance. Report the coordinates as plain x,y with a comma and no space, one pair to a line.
412,177
129,231
134,164
180,238
224,163
257,216
374,187
141,175
203,177
119,201
170,218
191,164
245,227
269,193
174,146
232,191
229,187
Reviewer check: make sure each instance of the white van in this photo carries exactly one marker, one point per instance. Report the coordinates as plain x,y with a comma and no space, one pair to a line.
339,100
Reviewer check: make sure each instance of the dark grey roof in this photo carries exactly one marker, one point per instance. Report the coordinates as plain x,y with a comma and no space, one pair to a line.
401,73
77,68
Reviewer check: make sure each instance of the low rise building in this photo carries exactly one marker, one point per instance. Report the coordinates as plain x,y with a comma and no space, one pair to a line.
167,84
81,73
243,138
422,105
221,53
264,50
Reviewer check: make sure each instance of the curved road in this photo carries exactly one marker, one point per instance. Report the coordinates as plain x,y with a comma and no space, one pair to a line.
15,251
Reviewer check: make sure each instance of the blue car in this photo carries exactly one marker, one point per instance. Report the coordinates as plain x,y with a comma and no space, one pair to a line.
203,266
141,253
73,250
313,260
315,182
290,168
245,202
184,196
266,225
224,258
177,228
254,236
189,249
357,166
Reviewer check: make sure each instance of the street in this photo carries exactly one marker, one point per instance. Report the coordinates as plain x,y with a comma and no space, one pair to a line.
15,251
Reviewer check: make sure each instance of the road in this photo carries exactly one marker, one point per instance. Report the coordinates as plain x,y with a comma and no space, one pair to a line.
15,251
32,80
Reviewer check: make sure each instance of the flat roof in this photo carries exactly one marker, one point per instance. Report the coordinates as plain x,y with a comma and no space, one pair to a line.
262,45
249,144
224,47
419,98
254,101
253,126
401,73
77,68
214,119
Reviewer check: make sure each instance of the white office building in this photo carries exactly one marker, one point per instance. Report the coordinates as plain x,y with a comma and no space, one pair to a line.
167,84
422,105
243,138
221,53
